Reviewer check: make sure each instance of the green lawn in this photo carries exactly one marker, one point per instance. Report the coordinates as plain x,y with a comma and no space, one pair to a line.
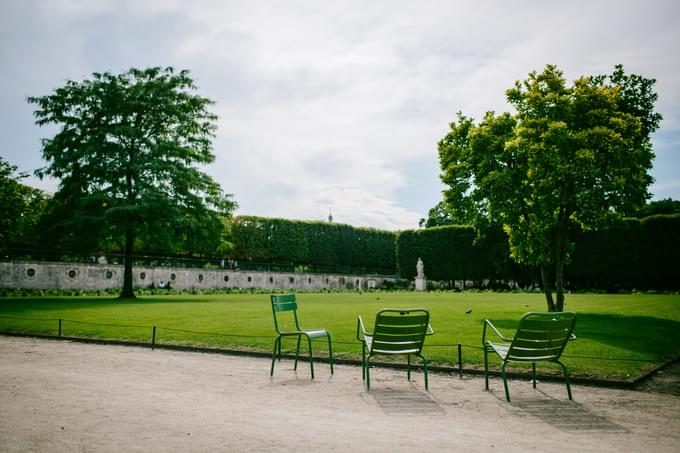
643,330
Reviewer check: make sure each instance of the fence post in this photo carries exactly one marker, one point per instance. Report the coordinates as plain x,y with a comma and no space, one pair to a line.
460,362
59,326
153,338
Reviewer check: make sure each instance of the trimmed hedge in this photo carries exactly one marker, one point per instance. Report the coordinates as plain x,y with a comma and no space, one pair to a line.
317,244
455,252
447,252
631,254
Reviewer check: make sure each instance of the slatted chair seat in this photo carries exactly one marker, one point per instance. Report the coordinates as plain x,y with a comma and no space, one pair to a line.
287,303
540,337
396,332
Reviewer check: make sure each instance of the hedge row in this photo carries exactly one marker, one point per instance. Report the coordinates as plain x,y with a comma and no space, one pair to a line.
455,252
316,244
630,254
633,254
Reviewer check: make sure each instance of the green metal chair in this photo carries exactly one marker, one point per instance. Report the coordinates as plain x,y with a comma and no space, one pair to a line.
540,337
397,332
289,326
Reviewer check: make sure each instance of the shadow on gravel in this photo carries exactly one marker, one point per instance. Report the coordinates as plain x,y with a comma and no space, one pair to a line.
406,402
565,415
665,380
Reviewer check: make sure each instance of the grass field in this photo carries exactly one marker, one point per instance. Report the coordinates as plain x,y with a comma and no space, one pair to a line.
618,336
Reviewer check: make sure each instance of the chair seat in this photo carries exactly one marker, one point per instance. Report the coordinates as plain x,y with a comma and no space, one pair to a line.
316,333
378,350
500,348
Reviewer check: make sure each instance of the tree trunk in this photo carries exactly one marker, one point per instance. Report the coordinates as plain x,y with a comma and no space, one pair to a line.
547,288
559,283
127,292
560,247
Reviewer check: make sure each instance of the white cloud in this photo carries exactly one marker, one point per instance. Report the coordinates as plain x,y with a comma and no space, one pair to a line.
333,105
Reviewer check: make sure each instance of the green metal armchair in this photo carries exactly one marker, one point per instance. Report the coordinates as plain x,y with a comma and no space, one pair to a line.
396,332
290,327
540,337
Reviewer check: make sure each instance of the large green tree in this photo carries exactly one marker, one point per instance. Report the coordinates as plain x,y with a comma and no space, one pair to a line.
126,154
21,207
437,216
570,158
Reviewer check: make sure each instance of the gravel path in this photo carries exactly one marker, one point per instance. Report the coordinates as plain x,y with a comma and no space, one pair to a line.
60,396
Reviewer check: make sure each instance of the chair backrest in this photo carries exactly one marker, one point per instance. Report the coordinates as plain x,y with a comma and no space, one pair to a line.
400,331
541,336
284,303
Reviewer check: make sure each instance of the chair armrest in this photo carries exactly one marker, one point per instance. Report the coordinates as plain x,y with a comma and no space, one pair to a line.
361,330
500,335
429,330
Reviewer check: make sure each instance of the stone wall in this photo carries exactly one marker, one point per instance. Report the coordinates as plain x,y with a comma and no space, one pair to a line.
52,275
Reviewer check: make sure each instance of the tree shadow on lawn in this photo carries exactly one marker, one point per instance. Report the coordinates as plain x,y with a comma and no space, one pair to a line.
655,338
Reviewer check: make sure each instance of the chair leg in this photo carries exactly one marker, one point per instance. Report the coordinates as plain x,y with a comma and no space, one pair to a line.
363,361
311,357
408,366
566,379
505,382
277,346
486,368
533,373
368,373
297,352
427,389
330,352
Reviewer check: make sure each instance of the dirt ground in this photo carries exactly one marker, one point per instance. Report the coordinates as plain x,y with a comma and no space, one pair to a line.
61,396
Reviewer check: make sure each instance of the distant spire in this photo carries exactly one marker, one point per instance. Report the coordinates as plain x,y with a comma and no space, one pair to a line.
330,216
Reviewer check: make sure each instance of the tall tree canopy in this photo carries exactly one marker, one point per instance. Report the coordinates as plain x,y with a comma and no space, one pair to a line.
126,154
570,158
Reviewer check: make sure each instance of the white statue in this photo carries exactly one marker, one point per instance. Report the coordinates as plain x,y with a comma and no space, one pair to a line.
420,268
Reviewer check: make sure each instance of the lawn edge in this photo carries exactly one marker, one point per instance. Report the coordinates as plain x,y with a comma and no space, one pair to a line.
608,383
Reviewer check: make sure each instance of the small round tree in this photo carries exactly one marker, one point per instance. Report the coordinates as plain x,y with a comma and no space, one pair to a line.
570,158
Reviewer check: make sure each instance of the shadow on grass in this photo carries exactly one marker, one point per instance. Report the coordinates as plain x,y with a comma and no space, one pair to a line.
46,303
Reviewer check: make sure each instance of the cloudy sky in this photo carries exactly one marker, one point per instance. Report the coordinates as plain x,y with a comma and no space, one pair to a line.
335,106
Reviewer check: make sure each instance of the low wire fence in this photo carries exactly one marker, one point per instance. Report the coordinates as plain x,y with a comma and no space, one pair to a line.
154,334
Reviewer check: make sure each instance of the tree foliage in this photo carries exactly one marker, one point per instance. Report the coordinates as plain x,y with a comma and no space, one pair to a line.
570,159
657,207
439,215
21,207
126,155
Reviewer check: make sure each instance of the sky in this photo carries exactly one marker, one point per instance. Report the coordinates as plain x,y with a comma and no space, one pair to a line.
335,107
